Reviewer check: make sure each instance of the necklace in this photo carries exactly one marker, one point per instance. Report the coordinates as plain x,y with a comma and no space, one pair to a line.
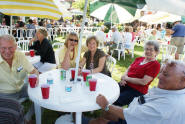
73,55
144,62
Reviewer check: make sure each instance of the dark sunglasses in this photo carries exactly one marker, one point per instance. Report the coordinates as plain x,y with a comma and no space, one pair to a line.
73,40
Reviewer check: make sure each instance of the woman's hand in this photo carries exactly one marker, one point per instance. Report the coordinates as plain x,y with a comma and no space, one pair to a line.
124,77
80,71
123,80
27,53
123,83
32,40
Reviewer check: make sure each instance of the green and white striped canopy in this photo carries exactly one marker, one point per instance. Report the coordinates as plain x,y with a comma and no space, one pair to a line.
116,11
31,8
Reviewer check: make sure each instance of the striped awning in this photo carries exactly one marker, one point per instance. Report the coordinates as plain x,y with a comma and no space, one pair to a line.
31,8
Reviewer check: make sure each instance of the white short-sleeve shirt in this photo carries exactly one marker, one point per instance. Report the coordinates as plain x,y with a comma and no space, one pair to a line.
161,107
101,36
116,37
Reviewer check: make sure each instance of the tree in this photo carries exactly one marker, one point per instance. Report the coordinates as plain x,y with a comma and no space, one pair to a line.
80,4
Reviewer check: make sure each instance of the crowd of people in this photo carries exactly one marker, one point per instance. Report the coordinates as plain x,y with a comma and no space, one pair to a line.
159,105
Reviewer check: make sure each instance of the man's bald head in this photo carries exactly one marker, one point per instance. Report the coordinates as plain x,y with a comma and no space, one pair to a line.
172,75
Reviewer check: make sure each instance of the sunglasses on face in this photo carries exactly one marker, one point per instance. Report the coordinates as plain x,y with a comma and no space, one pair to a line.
73,40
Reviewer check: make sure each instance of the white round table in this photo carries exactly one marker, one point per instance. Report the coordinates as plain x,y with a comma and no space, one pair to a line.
34,59
79,100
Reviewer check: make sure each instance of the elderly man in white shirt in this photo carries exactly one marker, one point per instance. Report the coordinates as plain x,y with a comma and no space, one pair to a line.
116,39
162,105
101,36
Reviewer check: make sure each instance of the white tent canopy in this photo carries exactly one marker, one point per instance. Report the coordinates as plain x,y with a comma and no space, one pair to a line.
160,17
172,6
63,9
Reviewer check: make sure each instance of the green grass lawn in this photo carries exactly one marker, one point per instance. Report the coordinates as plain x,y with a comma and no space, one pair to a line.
50,116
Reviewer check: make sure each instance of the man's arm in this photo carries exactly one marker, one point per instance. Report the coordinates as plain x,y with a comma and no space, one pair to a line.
171,31
102,102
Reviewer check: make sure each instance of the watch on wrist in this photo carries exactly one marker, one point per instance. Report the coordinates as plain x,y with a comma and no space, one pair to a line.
107,107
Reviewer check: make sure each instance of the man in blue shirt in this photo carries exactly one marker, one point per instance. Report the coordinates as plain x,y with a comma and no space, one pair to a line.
178,38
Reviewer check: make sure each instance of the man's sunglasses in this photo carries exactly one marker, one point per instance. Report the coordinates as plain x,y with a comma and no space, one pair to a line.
73,40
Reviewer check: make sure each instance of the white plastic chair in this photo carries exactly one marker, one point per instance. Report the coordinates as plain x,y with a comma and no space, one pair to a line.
57,56
65,119
168,52
4,30
52,33
132,46
20,34
57,44
30,33
120,48
23,45
111,62
182,56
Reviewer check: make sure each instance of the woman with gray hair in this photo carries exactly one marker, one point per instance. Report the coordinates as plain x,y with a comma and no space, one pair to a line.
139,75
42,47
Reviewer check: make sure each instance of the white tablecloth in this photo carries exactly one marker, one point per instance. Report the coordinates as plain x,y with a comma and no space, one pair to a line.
34,59
79,100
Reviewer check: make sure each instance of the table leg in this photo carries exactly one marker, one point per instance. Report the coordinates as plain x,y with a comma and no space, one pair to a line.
78,117
37,113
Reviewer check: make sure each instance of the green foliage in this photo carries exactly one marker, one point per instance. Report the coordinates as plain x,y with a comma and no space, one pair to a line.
120,28
80,4
100,23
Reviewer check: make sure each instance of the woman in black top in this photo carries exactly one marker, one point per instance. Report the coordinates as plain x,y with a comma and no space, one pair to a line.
94,58
42,47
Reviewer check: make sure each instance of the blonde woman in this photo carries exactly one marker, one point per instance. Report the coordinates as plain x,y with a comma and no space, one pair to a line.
68,53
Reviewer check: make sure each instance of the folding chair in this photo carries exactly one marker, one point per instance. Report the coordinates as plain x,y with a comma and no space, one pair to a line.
132,46
121,50
23,45
168,52
111,62
57,44
30,33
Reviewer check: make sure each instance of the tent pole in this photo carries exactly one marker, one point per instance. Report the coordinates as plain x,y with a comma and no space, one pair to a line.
111,14
11,25
80,42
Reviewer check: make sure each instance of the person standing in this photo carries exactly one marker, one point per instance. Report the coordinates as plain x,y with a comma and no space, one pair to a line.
178,37
101,36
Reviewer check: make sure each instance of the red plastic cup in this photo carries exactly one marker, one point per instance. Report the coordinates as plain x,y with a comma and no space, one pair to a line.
32,80
85,73
92,84
45,91
168,42
73,73
32,53
106,35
